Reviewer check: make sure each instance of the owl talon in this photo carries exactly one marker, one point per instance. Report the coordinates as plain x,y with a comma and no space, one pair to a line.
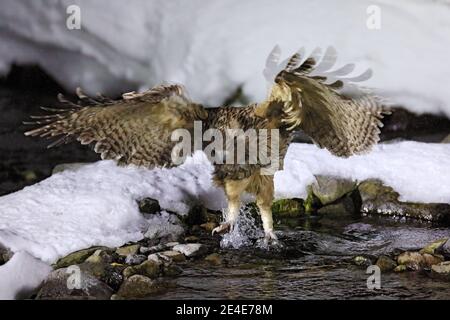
270,241
223,228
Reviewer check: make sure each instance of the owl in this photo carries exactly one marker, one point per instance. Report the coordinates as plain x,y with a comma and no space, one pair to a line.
139,128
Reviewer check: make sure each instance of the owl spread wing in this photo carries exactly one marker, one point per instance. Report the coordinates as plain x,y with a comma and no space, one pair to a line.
313,103
133,130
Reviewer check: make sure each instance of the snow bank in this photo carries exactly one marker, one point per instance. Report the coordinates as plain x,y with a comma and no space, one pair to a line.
21,275
215,46
419,172
96,204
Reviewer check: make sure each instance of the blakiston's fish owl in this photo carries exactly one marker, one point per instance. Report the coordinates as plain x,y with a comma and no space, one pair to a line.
137,128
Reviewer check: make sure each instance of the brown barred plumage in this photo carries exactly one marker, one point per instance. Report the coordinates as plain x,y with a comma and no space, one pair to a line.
137,128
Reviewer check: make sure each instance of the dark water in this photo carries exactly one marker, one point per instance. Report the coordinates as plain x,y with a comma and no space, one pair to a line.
315,263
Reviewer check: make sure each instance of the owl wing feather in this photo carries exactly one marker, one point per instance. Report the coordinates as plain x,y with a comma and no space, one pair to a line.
133,130
345,126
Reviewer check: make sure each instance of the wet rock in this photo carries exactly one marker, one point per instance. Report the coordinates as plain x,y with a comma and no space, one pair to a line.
434,246
76,257
100,267
73,283
158,248
348,205
431,260
137,286
380,199
148,268
445,249
196,215
68,166
174,255
442,270
386,264
362,261
171,270
149,206
328,189
191,249
135,259
5,255
214,259
312,203
191,239
400,268
127,250
412,260
288,208
29,175
446,139
171,244
208,226
100,256
156,257
213,216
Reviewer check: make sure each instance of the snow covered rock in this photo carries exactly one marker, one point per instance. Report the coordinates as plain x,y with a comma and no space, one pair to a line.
378,198
164,226
62,284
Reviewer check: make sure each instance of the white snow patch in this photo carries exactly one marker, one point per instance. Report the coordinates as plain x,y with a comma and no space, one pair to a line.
96,205
419,172
215,46
164,225
21,275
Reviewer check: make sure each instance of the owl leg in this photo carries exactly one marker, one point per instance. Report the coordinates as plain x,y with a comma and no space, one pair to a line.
233,191
264,199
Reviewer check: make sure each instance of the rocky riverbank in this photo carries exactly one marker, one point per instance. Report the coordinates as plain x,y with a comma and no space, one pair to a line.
150,268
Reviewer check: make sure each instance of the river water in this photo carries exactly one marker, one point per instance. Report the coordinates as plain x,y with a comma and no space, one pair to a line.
315,262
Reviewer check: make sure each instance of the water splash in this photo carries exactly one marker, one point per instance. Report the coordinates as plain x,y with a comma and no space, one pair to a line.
245,232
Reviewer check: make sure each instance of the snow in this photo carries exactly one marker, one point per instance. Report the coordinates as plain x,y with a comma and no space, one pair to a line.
419,172
96,204
21,275
215,46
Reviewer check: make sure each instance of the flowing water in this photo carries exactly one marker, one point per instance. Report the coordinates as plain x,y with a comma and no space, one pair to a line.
315,262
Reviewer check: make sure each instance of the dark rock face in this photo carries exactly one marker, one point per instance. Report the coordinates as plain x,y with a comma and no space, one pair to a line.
5,255
380,199
73,283
149,206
